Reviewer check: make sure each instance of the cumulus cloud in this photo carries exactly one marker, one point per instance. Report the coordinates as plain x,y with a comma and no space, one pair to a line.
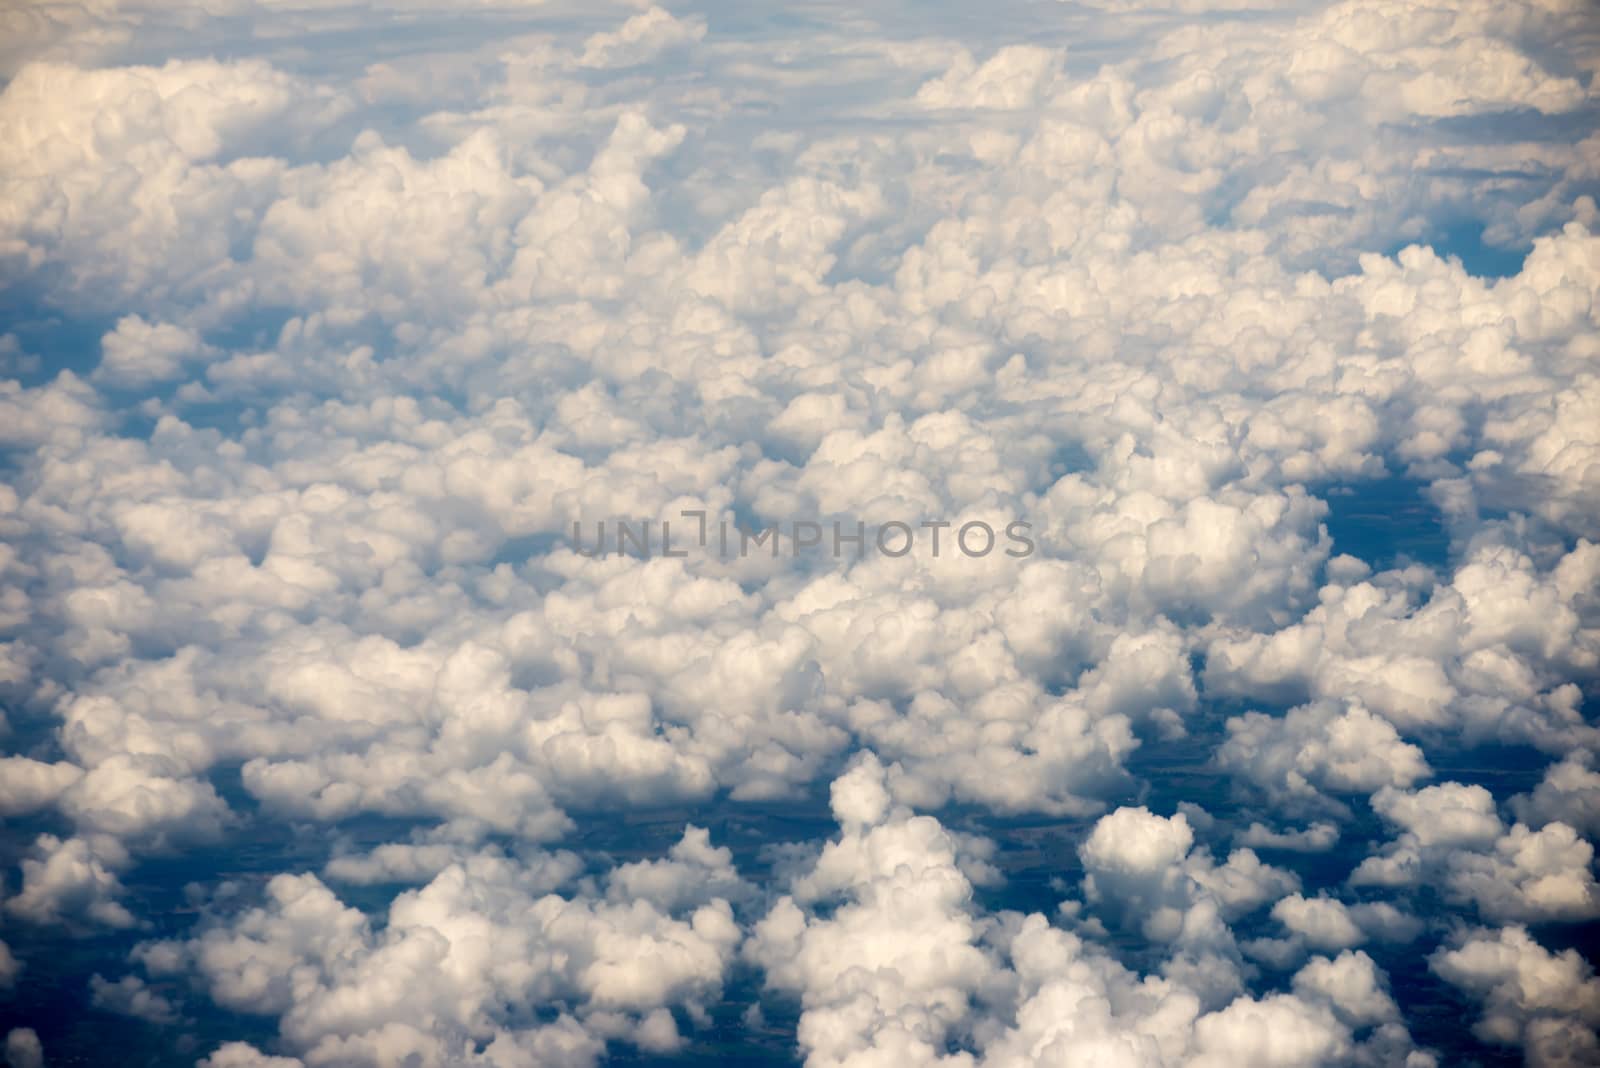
138,353
1318,748
27,784
640,39
71,881
1317,838
1452,833
1547,1002
891,958
1146,864
1569,793
871,987
131,996
308,377
466,960
23,1048
1469,655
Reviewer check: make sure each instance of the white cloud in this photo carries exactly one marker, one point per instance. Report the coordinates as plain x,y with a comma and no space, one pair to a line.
131,996
1352,983
242,1055
1453,835
27,784
1322,921
467,958
1547,1002
1569,793
902,965
130,799
71,881
895,967
1317,838
640,39
1531,876
1449,814
1320,747
23,1048
314,371
138,353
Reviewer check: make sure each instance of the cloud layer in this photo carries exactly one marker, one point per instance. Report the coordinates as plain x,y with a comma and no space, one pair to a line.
323,325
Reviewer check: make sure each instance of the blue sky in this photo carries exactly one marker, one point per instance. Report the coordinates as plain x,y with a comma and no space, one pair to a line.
330,332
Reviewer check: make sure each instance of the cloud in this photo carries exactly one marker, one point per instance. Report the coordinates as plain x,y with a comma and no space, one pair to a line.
242,1055
1321,921
890,956
27,784
1531,876
1146,865
130,799
131,996
871,987
23,1048
1495,664
640,39
1453,834
1568,793
1547,1002
93,174
10,967
138,353
307,375
72,881
1352,983
1320,747
1317,838
494,945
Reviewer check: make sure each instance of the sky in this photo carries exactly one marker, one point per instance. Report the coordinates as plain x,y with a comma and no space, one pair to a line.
846,534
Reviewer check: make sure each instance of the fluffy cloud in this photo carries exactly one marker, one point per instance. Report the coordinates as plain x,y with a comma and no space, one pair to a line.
892,960
131,996
1547,1002
1316,838
871,988
1320,747
23,1048
138,353
466,961
1146,864
1568,793
1453,833
1470,656
308,376
71,880
27,784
